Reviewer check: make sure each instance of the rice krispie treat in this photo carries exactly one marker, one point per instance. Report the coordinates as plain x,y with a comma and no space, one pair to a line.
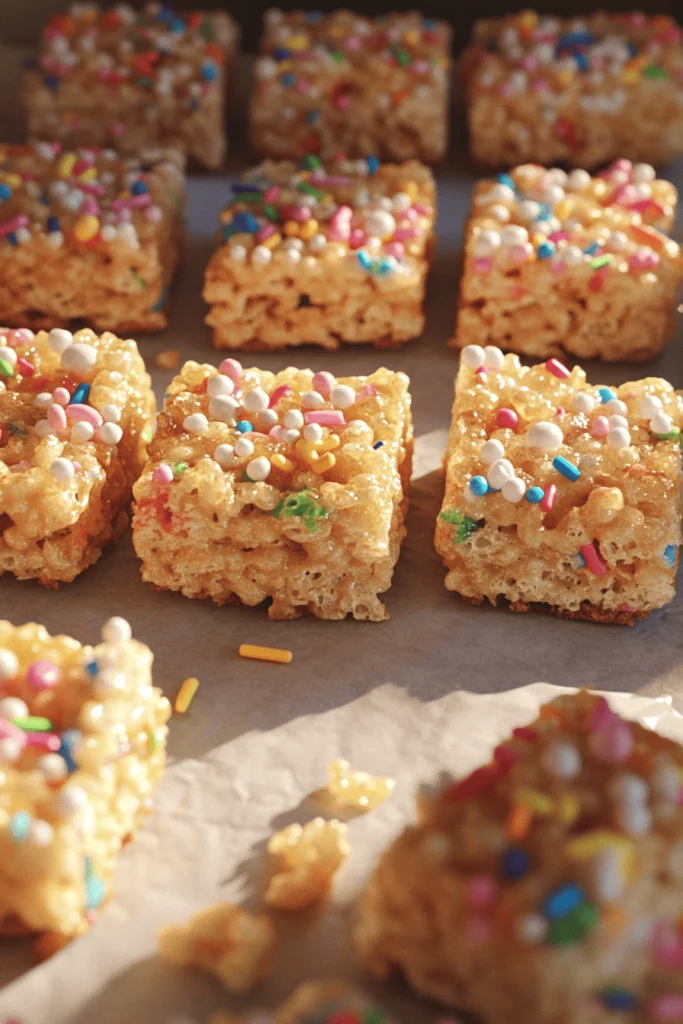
88,236
305,861
290,487
550,879
575,91
128,79
559,493
322,255
76,413
559,262
345,83
225,940
317,1002
82,738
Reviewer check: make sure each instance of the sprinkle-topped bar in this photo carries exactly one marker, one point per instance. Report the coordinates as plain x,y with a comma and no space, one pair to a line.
88,236
345,83
568,262
576,91
290,487
76,413
560,494
317,1002
82,747
551,877
129,79
323,255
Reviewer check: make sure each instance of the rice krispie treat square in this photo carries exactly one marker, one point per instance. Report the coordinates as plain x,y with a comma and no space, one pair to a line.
88,236
128,79
76,413
550,879
317,1002
575,91
82,748
568,262
345,83
313,254
290,487
560,494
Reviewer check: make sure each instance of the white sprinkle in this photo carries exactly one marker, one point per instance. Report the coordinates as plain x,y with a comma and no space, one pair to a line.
499,471
513,490
650,405
514,234
582,402
499,213
293,256
486,243
616,407
294,419
116,630
578,180
79,357
313,432
493,358
258,469
261,256
223,408
255,400
619,438
617,241
62,470
82,432
44,429
13,707
196,423
225,456
572,255
533,928
244,447
219,384
312,400
53,767
342,396
643,173
268,418
10,751
472,356
9,665
111,413
661,423
546,436
40,832
8,354
110,433
562,760
71,800
43,400
238,253
492,450
291,435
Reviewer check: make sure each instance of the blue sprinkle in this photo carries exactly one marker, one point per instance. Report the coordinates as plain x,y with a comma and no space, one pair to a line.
70,738
244,426
544,213
563,901
12,239
378,444
209,72
177,25
479,485
5,191
51,81
505,179
429,24
314,16
373,164
615,998
566,468
670,555
534,495
138,188
385,266
591,249
516,862
632,50
606,394
364,259
162,300
581,61
94,887
282,54
92,668
577,561
245,222
53,224
545,250
571,39
288,79
313,116
20,826
80,395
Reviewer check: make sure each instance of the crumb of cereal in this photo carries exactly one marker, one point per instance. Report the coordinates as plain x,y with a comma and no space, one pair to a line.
224,940
169,359
306,859
357,790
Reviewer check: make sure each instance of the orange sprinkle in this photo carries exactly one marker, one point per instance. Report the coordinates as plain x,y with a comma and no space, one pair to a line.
614,920
519,822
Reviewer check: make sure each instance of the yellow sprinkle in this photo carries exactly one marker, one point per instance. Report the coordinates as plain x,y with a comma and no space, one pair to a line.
281,462
324,464
266,653
570,807
591,843
300,42
563,209
614,920
86,227
412,38
66,165
565,77
290,228
309,228
539,802
13,180
273,241
89,175
411,190
186,694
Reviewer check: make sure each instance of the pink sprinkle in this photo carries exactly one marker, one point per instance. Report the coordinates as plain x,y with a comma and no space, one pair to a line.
667,945
353,44
56,417
8,226
22,336
117,129
560,411
61,396
9,731
163,474
44,741
284,389
420,67
548,499
557,369
357,239
27,369
323,382
481,891
232,369
622,194
614,743
277,431
90,206
153,214
558,236
326,417
507,89
300,214
598,279
132,202
339,233
593,560
643,261
529,61
482,265
507,419
303,85
409,216
265,232
41,675
272,194
367,391
395,249
342,215
405,234
618,165
627,608
424,209
77,467
667,1007
519,253
540,85
84,414
600,426
341,101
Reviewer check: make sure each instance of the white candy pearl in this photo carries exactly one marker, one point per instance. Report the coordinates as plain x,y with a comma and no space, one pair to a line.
256,400
196,423
533,928
661,423
493,358
258,469
499,213
313,432
223,408
10,750
578,180
619,438
116,630
71,800
9,664
514,234
546,436
491,450
82,432
562,760
111,413
486,243
59,339
293,419
617,241
583,402
312,400
79,358
62,470
650,405
342,396
618,421
261,256
472,356
41,833
380,223
500,471
500,191
643,173
529,210
8,354
225,456
513,490
53,767
13,707
572,255
110,433
244,447
219,385
616,407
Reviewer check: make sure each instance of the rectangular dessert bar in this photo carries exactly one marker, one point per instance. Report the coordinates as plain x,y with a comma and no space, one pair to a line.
568,262
550,878
88,236
575,91
76,412
290,487
128,79
343,83
82,747
560,494
323,255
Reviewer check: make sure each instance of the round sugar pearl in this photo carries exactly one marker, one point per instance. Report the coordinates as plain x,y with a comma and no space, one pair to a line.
546,436
223,408
492,450
572,255
500,471
313,432
312,400
53,767
41,833
493,358
196,423
532,928
513,490
472,356
499,213
293,419
562,760
618,421
650,405
10,750
486,243
617,241
342,396
111,413
499,192
261,256
578,180
514,234
59,339
616,407
13,707
111,433
224,455
9,664
79,358
42,674
258,469
380,223
255,400
583,402
558,176
619,438
324,381
116,630
8,354
401,201
71,800
529,210
82,432
63,470
231,368
244,447
661,423
268,418
643,172
219,384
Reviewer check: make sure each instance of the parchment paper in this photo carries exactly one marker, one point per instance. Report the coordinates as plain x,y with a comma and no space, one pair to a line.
392,696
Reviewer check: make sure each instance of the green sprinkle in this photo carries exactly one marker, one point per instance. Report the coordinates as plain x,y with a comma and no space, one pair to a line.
311,162
33,723
147,434
6,368
374,1015
179,468
302,504
140,280
145,82
270,212
310,190
94,887
20,826
207,30
337,56
249,197
673,435
465,525
402,56
602,261
572,927
654,71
